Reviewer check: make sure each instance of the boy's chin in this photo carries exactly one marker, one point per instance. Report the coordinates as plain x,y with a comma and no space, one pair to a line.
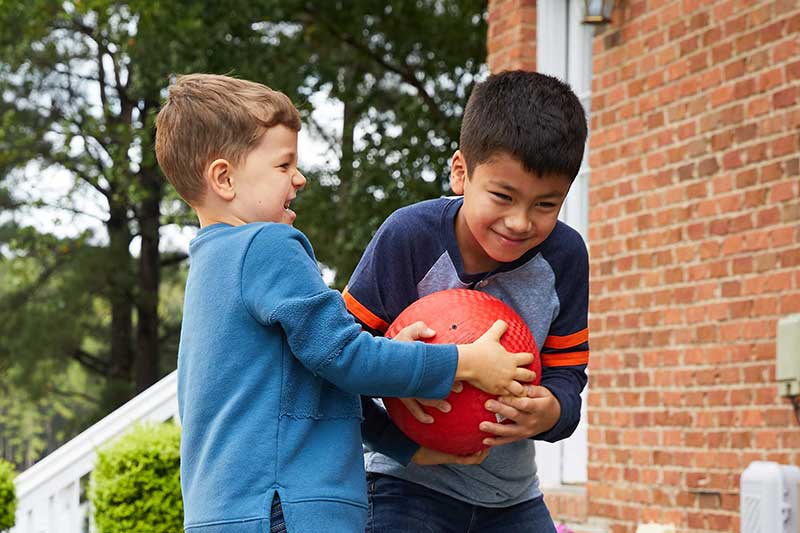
507,256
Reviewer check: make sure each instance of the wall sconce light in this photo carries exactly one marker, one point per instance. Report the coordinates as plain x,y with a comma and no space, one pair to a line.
598,12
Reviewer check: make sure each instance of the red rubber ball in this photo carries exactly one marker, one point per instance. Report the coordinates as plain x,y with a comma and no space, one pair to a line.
459,316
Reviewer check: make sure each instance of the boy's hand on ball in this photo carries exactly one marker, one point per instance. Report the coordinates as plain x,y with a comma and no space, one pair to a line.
536,413
427,456
414,405
416,331
488,366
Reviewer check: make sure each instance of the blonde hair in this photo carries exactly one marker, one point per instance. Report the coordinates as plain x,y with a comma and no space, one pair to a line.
207,117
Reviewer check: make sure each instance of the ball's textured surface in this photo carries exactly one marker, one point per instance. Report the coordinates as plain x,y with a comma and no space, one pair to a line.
459,316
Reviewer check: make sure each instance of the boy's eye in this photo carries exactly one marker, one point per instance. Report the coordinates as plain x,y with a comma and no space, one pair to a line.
284,166
545,205
501,196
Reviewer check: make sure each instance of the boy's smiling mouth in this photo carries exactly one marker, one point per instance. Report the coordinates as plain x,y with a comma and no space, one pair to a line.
512,240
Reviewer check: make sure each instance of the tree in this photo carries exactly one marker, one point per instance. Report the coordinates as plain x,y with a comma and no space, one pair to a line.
80,84
402,72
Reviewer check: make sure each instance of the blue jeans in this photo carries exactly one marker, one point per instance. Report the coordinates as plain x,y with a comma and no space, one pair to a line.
397,506
277,525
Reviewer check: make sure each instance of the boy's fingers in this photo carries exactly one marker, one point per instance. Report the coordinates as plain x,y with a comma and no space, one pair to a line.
417,330
474,459
441,405
520,403
523,358
421,330
500,430
515,388
478,458
500,408
458,386
499,441
536,391
523,374
496,331
416,410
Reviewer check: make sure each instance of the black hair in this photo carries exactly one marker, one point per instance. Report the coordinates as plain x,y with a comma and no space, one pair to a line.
534,118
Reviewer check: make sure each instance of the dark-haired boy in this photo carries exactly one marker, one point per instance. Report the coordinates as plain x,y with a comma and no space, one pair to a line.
521,146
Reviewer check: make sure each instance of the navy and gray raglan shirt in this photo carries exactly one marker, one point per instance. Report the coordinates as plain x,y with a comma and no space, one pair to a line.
415,253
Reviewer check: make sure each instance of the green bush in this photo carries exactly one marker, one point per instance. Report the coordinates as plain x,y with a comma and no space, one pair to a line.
136,483
8,495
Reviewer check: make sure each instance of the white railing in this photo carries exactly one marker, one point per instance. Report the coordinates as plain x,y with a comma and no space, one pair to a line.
50,494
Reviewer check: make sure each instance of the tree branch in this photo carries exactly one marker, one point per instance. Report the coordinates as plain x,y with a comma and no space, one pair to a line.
69,164
72,210
75,394
93,363
405,73
319,130
17,299
169,259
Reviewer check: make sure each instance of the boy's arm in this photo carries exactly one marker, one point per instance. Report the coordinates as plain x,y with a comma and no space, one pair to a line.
381,286
282,287
565,353
566,384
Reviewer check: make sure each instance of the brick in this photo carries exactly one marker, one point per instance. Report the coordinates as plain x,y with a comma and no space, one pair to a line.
785,98
783,191
793,71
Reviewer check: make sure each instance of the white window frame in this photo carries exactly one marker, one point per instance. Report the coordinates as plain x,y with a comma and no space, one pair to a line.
564,50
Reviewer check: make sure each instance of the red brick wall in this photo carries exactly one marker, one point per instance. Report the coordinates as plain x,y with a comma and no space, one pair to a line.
695,250
511,42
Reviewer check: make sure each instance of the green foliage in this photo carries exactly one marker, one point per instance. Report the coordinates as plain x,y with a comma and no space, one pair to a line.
403,72
35,422
80,85
8,497
135,485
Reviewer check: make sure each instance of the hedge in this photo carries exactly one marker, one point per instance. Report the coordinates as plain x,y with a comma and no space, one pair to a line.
135,485
8,495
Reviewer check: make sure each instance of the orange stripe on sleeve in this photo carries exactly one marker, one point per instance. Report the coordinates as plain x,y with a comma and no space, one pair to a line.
363,314
565,359
567,341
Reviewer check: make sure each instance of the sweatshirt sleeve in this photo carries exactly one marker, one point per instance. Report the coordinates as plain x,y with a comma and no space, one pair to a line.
565,353
282,287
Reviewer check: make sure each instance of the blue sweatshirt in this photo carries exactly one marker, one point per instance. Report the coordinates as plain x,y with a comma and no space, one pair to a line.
270,366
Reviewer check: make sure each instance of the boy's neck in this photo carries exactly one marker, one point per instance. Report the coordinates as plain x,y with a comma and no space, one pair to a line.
209,217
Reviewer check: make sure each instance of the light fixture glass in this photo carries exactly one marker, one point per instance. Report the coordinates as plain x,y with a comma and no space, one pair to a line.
598,11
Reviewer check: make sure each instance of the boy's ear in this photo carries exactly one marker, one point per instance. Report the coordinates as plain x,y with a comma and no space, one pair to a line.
458,173
219,179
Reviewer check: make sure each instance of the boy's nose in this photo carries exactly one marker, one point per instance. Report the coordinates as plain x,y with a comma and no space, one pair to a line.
518,223
299,180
